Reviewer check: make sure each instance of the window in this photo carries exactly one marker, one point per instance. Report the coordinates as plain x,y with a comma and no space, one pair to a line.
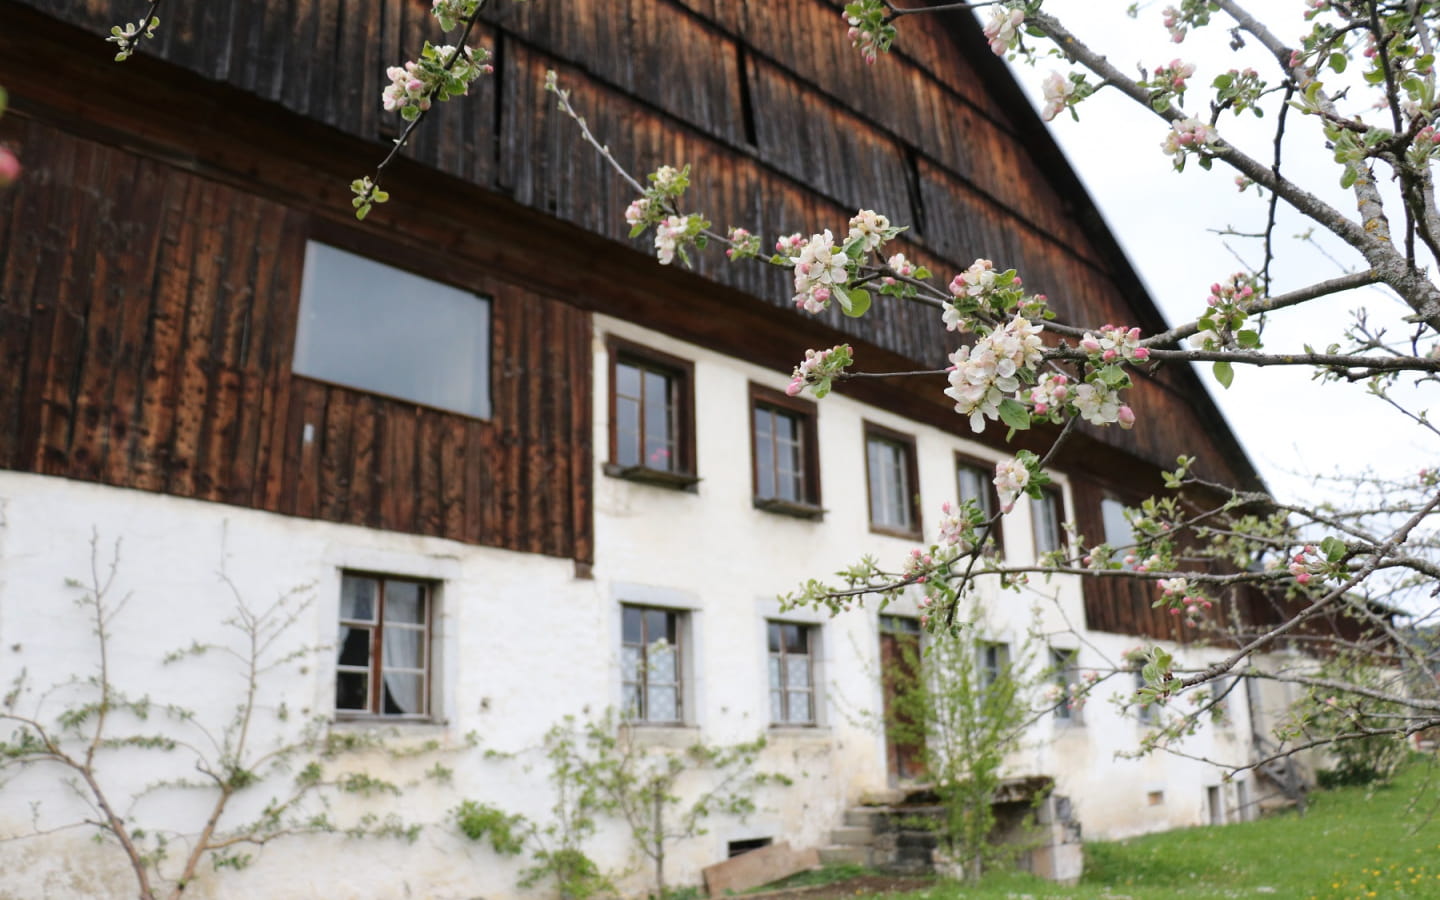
1144,710
1047,516
650,665
383,664
1065,671
786,462
652,426
792,675
1118,533
375,328
975,480
892,481
992,663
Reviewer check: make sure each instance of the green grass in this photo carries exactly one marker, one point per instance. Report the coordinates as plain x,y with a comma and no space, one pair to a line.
1353,843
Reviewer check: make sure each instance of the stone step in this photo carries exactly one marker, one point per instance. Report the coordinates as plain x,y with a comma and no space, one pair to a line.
864,816
852,834
850,853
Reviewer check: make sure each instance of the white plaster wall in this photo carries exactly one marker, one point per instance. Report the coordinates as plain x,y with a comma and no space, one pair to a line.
520,642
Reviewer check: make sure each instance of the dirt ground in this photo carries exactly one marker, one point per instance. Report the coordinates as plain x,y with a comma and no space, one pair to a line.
849,888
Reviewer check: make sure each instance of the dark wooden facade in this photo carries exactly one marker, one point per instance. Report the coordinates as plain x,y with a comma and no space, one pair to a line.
148,329
166,366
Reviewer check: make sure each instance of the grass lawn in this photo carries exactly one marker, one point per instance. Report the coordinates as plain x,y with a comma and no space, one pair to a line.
1353,843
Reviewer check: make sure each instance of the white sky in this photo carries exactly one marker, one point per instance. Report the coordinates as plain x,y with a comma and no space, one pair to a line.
1287,423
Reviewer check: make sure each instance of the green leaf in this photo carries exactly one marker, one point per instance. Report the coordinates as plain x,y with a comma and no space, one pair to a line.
1248,339
1338,61
1015,414
1333,548
859,301
1223,373
637,230
1347,177
1223,81
1375,76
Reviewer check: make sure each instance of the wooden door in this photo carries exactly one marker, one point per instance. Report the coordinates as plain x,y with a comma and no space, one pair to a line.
900,670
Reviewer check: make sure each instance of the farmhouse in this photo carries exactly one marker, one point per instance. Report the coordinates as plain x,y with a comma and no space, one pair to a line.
521,470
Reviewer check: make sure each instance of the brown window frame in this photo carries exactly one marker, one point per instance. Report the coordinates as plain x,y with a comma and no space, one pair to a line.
1052,494
912,475
375,666
986,470
680,621
681,373
807,632
806,417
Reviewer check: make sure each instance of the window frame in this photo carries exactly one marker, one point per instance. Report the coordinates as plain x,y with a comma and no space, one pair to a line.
810,633
986,471
360,246
906,442
806,415
681,621
1065,671
375,667
681,373
1055,496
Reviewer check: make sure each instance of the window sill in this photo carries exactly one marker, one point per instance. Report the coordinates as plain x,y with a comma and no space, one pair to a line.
355,721
661,734
786,731
908,535
790,508
680,481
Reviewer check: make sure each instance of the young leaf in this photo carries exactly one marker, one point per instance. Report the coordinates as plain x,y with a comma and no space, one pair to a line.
1224,373
1014,414
859,301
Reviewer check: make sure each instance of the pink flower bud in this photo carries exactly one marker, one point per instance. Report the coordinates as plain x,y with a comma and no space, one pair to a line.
1126,417
1141,354
9,168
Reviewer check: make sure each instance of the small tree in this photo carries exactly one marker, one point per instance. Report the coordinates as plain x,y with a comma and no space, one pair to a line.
100,723
967,702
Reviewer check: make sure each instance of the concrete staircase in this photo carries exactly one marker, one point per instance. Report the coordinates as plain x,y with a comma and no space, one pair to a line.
852,842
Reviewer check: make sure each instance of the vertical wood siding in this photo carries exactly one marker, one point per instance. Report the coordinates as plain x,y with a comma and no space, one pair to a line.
150,318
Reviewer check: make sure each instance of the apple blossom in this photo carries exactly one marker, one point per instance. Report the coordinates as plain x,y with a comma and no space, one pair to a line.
870,229
1096,403
1003,29
668,235
440,73
1011,478
1115,344
819,268
1058,91
638,212
743,244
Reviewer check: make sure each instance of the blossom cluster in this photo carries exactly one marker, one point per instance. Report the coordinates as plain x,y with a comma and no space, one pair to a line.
1190,14
869,230
983,288
743,244
128,36
823,270
981,375
868,28
1003,28
1240,89
957,526
1188,136
1115,343
1227,308
1049,393
818,369
1184,598
440,73
1306,564
450,13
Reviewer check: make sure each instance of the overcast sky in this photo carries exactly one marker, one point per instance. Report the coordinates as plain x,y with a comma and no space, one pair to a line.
1288,423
